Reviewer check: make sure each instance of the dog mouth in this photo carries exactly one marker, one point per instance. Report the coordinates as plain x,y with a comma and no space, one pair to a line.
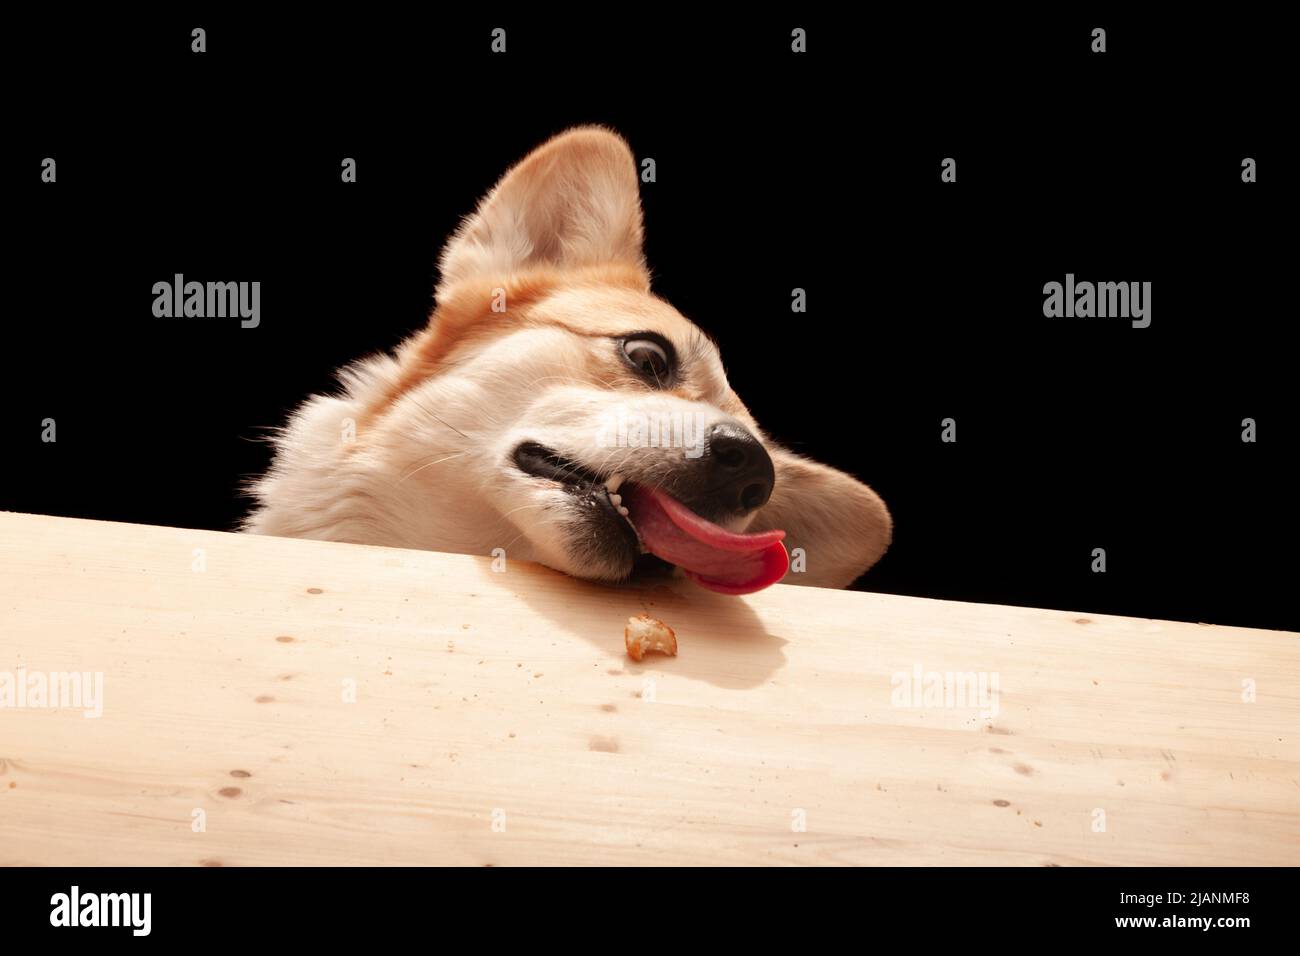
653,521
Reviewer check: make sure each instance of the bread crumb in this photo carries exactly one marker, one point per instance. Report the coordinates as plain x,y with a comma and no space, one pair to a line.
645,633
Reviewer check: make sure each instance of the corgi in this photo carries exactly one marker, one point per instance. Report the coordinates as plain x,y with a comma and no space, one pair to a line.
556,409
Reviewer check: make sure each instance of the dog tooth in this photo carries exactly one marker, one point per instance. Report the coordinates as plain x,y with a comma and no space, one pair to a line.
623,511
614,483
615,500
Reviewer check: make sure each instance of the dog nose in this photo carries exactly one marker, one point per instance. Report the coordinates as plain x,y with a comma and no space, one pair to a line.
740,472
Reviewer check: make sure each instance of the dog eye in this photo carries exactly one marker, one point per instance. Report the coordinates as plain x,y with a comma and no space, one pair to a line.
649,356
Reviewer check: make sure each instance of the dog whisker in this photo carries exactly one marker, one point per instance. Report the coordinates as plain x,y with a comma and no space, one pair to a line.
522,508
508,544
585,383
424,408
430,464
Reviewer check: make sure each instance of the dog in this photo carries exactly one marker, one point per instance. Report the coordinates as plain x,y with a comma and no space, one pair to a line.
556,409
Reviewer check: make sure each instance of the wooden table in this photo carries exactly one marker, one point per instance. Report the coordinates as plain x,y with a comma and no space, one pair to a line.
269,701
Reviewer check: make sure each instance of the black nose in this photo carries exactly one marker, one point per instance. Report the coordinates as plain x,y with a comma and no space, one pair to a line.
739,472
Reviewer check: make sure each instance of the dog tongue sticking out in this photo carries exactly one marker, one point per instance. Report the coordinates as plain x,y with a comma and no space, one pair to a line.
712,556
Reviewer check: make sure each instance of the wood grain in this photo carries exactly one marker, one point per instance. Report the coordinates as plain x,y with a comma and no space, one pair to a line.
498,721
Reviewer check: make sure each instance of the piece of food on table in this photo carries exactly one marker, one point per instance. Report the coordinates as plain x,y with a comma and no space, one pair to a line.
645,633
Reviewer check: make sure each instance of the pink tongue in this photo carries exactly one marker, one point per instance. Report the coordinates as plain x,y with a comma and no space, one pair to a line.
712,556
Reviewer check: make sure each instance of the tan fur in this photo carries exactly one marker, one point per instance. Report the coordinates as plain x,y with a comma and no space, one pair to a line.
559,242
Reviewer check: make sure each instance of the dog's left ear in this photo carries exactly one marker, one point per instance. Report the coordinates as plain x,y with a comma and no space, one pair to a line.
574,201
841,525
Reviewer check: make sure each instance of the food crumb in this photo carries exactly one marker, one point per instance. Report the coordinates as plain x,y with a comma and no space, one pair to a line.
644,633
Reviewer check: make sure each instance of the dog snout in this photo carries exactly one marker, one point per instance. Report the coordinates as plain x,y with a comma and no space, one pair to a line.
739,472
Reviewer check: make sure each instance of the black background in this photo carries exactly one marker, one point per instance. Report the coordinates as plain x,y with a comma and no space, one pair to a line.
774,171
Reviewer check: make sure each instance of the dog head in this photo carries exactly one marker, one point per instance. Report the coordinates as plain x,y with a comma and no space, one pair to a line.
557,409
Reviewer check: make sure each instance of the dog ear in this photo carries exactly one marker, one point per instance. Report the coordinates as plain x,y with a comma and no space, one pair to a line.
842,525
574,201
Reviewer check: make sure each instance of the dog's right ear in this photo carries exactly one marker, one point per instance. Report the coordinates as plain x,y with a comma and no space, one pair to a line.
572,202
